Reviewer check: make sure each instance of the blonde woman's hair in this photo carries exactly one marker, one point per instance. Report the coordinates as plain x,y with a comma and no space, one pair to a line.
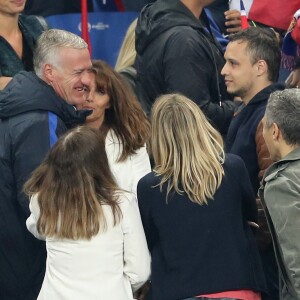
127,51
187,151
73,183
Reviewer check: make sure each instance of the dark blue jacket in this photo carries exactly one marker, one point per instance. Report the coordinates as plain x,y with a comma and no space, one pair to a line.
32,116
200,249
242,131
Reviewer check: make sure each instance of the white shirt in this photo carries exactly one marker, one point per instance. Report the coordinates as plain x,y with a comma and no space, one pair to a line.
109,266
127,173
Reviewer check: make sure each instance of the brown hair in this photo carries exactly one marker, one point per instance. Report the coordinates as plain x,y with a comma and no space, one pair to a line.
125,114
72,184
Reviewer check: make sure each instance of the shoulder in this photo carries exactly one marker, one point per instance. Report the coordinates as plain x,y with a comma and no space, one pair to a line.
148,186
127,201
111,138
129,73
126,198
151,179
233,161
34,23
282,188
180,34
234,168
113,146
30,120
34,204
282,172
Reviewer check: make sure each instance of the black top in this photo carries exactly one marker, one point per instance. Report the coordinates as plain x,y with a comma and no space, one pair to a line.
54,7
201,249
241,134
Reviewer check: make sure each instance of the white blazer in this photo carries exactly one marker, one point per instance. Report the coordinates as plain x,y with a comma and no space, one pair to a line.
109,266
127,173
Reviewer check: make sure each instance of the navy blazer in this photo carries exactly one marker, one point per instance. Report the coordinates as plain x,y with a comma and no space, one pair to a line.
200,249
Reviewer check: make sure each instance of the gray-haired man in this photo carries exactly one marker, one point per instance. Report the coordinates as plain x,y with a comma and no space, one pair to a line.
34,110
280,192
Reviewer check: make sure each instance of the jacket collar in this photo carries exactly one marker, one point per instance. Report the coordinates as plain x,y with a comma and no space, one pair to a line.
280,165
264,94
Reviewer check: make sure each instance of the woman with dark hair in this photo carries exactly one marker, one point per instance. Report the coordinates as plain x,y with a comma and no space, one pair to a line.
93,231
196,207
119,116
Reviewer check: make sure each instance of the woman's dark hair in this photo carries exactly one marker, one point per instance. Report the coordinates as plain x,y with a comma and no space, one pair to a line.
125,114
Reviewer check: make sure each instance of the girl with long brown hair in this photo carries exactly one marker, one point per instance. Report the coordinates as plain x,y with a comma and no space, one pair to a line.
94,236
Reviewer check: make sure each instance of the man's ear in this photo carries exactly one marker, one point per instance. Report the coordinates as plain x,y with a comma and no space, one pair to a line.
48,73
262,67
276,133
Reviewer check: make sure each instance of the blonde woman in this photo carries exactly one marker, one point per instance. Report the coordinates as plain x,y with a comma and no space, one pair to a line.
125,61
195,208
127,51
96,246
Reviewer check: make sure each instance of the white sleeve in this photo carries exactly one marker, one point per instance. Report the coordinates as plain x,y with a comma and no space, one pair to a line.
141,166
136,253
31,222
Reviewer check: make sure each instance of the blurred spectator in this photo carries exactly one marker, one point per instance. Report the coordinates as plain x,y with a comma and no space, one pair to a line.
227,19
276,14
18,35
54,7
290,59
236,4
127,53
135,5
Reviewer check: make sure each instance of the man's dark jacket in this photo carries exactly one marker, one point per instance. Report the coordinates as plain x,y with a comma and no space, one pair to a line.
176,53
241,136
32,116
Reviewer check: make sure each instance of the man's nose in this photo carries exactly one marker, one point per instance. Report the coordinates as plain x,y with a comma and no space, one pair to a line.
86,79
223,71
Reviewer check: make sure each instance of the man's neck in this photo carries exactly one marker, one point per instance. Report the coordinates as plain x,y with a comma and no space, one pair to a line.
254,91
286,149
194,7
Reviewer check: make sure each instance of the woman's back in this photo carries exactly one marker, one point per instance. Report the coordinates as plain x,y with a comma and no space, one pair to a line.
92,269
201,249
96,246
